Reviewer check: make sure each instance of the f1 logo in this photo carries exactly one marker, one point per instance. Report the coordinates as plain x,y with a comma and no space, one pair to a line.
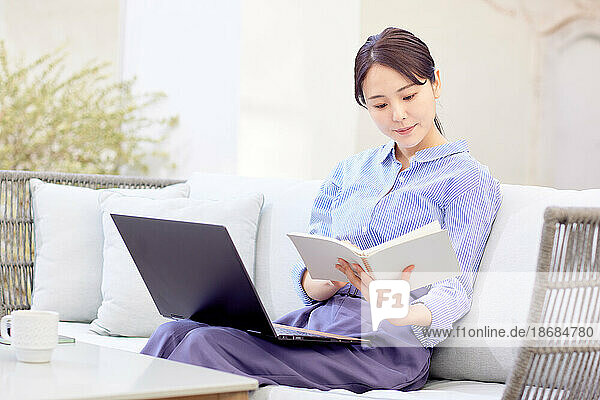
388,299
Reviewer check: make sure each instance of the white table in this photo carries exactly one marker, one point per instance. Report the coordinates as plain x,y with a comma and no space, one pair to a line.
84,371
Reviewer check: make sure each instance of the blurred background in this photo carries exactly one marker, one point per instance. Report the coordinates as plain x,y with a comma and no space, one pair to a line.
265,87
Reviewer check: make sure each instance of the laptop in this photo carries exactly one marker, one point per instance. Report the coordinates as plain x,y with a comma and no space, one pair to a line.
193,271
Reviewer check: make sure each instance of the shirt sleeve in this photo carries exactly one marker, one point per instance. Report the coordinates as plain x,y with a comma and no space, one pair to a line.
469,218
320,224
297,272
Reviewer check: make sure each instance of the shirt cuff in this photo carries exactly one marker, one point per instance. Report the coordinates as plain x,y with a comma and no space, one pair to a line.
439,330
296,273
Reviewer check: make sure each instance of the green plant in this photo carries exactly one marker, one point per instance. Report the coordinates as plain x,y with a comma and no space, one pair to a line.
78,122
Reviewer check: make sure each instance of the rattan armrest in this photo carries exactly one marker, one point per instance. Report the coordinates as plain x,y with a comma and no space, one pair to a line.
566,291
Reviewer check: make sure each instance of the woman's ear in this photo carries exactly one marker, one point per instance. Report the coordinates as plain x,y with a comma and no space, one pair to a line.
437,86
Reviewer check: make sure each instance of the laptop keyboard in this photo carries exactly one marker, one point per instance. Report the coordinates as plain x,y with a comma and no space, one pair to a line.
285,331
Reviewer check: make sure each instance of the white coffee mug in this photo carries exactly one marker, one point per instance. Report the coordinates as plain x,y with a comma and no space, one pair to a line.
33,334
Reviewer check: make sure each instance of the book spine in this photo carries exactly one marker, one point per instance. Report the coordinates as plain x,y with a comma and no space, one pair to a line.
367,265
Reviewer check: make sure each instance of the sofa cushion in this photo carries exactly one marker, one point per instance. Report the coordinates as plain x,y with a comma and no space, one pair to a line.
68,246
433,390
287,208
127,308
504,285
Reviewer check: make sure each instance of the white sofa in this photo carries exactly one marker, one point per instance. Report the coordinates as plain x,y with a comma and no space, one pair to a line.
456,372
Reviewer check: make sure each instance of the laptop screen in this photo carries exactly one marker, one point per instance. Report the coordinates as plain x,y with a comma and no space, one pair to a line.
193,270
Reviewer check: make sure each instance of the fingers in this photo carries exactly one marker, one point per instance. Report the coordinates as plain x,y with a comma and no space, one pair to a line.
361,279
365,273
406,272
358,279
344,267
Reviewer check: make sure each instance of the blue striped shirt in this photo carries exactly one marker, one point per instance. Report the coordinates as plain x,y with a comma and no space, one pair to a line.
367,200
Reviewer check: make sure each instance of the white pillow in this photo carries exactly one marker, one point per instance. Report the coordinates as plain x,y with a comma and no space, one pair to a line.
68,246
127,308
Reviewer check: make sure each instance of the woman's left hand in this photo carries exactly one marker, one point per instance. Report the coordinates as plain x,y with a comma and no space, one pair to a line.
359,279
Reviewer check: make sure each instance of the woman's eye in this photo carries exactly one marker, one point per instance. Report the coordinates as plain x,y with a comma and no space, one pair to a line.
409,97
380,105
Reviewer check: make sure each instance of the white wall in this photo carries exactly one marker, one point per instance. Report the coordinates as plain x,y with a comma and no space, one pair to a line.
298,116
569,139
190,50
87,29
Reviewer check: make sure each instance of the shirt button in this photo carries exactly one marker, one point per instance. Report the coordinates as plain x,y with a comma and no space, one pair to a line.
365,229
401,179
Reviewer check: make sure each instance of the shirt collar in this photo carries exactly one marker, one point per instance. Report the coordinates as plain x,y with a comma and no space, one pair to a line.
428,154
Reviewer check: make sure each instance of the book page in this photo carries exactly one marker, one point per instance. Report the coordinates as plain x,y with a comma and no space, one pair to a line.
320,254
345,243
425,230
433,257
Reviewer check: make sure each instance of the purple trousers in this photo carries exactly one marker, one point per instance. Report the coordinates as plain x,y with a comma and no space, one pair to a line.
395,360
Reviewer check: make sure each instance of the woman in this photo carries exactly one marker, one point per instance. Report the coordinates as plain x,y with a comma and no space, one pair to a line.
369,198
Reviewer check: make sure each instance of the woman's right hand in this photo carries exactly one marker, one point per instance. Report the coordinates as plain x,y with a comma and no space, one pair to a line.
320,289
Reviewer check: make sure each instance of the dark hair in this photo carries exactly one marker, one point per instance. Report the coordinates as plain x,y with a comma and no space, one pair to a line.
397,49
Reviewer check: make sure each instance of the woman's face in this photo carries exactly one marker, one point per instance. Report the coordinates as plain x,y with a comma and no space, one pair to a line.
401,109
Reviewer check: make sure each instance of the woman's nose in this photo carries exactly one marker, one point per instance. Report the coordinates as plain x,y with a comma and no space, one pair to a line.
398,113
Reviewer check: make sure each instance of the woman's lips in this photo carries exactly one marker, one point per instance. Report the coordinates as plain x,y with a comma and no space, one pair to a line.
405,131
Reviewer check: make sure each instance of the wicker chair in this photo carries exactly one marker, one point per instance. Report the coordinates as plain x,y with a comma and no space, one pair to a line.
567,285
566,292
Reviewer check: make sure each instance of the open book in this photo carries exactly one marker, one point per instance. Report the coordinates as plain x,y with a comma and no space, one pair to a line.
428,248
